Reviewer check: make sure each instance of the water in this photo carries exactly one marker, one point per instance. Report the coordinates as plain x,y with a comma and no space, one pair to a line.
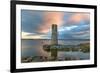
35,48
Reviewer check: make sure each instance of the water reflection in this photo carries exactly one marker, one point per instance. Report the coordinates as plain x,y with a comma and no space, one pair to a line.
32,50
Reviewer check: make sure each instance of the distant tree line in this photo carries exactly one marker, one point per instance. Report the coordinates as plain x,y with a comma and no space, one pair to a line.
84,47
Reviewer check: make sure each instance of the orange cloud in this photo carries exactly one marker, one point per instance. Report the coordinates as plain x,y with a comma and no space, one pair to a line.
49,19
77,17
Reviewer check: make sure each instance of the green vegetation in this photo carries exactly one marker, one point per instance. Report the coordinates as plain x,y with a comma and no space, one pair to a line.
85,47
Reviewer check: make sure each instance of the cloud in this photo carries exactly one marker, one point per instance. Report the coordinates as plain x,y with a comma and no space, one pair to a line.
81,33
82,36
75,32
26,35
68,28
78,17
81,28
31,20
37,24
49,19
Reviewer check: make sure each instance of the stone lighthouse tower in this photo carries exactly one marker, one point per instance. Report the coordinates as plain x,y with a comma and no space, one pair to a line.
54,37
54,42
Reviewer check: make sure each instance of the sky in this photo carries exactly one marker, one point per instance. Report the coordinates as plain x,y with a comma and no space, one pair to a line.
71,25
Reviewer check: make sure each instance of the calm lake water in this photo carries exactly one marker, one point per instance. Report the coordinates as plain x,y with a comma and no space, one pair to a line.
35,48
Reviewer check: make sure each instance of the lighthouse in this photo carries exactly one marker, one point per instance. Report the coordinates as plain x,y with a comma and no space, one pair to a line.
54,37
54,41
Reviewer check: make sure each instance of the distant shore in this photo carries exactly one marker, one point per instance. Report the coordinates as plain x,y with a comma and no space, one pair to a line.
58,39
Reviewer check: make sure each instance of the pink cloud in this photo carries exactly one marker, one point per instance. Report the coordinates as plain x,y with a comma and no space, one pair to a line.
57,18
49,19
77,17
